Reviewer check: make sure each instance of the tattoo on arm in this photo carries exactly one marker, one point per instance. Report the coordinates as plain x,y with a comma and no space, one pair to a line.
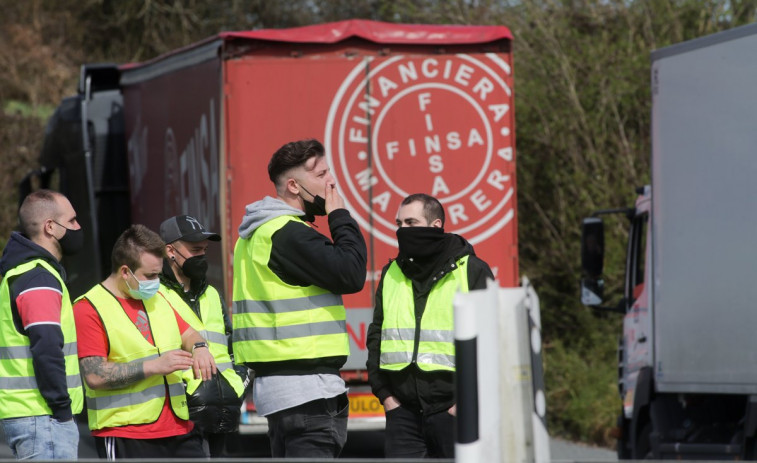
113,375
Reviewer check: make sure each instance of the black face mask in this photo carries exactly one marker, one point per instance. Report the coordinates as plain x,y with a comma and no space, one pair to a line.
316,207
71,242
420,250
421,242
196,267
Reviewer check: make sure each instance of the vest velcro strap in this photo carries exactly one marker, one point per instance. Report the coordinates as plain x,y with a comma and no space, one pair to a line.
217,338
437,359
130,398
288,305
437,336
388,358
398,334
30,382
291,331
24,352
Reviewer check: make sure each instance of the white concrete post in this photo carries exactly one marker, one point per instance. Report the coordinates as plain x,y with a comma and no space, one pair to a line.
500,326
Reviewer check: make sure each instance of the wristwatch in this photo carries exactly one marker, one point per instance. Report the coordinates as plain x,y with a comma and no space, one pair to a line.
198,345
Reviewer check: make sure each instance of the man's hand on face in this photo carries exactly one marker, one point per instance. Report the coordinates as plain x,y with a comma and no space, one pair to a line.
333,199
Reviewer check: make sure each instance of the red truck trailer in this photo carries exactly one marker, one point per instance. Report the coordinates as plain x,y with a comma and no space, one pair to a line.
401,109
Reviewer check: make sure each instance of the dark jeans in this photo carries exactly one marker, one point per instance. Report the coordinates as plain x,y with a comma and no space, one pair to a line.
176,447
316,429
216,444
412,434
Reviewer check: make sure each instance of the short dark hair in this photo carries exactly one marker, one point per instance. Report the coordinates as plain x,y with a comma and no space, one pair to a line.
432,208
37,207
293,154
132,243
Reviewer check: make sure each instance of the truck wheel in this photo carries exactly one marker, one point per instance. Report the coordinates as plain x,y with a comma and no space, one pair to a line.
642,449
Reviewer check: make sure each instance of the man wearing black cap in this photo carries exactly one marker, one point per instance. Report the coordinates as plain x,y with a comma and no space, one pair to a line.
214,405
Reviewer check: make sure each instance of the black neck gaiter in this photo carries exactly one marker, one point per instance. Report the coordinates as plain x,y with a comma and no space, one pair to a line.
420,249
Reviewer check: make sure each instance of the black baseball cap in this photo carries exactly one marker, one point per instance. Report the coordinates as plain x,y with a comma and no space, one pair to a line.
185,228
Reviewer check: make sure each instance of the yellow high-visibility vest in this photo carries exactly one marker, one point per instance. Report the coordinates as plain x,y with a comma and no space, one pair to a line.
140,402
436,347
275,321
19,394
210,326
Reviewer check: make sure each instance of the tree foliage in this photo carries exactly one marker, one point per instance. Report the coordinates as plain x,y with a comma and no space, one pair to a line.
582,72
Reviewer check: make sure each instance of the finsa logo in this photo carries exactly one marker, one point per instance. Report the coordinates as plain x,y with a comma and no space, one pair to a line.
436,125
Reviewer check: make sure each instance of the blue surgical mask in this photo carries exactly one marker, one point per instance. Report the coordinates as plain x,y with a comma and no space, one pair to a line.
146,290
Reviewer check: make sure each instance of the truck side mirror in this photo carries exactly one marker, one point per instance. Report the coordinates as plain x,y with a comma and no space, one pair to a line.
592,246
592,260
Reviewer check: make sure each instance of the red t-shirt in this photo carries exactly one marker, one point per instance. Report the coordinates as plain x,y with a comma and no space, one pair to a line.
92,340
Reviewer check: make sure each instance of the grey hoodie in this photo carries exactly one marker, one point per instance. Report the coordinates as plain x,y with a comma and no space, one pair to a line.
260,212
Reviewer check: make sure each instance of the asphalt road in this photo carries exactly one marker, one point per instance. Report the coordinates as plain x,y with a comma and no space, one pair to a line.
561,450
359,445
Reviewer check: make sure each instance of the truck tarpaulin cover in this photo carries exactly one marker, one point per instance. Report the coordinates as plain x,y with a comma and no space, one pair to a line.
379,32
407,122
401,109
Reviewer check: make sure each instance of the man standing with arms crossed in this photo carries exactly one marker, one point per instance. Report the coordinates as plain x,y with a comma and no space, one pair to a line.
411,350
134,348
37,333
289,319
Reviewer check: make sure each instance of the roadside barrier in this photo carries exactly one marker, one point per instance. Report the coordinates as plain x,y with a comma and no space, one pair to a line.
501,405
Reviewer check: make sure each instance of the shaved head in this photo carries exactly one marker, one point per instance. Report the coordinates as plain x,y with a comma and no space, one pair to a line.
36,209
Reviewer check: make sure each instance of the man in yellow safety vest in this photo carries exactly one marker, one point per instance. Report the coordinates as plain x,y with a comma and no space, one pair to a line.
133,351
411,350
288,316
215,405
40,387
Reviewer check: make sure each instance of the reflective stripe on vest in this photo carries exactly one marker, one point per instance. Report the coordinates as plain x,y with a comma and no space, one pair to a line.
287,305
211,327
436,343
129,398
19,392
140,402
275,321
31,383
22,352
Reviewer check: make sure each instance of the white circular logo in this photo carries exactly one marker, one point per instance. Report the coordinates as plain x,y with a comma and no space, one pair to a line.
420,124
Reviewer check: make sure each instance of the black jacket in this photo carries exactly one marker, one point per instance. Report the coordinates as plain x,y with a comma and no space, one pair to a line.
419,390
302,256
46,341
